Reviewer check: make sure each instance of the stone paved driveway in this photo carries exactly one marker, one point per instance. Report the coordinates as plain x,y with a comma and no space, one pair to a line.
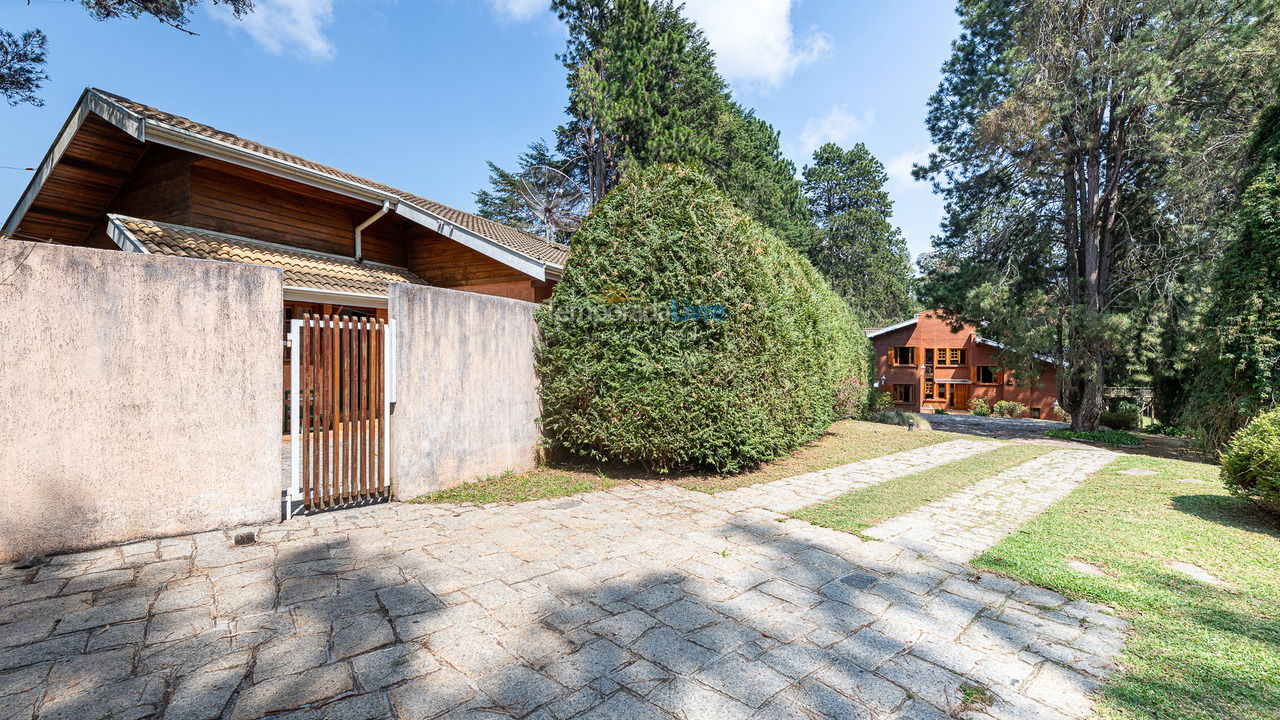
639,602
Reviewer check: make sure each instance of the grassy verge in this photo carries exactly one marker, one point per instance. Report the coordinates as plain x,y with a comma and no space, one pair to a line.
860,509
520,487
844,442
1107,437
1198,651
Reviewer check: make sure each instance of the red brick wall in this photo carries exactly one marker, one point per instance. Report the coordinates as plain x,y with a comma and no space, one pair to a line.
931,331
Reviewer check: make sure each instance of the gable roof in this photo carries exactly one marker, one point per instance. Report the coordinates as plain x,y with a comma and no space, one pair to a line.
881,331
523,251
304,270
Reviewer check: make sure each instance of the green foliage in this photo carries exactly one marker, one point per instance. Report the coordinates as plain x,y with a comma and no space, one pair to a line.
901,418
979,407
623,381
1126,416
939,411
643,90
1009,408
880,401
1251,461
1158,428
1075,142
23,57
22,63
1108,437
863,255
1240,367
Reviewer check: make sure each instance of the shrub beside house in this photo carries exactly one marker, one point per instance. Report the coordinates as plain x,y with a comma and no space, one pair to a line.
684,334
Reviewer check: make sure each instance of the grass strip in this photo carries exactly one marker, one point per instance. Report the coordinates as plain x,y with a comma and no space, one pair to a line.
1199,650
844,442
1118,438
512,487
858,510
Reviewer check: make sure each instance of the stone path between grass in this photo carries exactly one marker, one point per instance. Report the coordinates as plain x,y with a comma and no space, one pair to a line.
966,523
636,602
799,491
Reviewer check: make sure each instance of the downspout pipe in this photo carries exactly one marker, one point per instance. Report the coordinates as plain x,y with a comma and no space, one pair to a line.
386,208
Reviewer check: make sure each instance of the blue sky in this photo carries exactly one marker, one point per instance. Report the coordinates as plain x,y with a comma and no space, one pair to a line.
419,93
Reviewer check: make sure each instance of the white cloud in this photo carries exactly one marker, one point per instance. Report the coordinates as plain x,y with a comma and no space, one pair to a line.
277,25
838,126
899,168
519,10
754,41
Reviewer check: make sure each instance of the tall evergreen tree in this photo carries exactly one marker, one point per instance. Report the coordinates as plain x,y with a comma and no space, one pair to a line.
860,252
643,89
1086,149
1240,370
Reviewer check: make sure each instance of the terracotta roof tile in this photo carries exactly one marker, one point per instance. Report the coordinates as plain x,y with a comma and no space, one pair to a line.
522,242
302,269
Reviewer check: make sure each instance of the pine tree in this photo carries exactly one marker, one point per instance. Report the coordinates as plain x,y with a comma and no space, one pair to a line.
860,252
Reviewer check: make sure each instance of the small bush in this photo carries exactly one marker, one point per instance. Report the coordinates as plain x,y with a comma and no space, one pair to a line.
1125,416
879,402
979,407
684,334
939,411
1108,437
1251,461
1158,428
898,417
1062,414
1009,408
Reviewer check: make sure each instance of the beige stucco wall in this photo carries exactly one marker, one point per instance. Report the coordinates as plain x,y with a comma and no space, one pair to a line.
139,396
467,398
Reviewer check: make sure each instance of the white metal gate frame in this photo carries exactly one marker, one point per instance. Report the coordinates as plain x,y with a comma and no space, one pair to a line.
294,495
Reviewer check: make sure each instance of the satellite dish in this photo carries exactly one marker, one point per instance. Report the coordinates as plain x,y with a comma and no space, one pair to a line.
553,197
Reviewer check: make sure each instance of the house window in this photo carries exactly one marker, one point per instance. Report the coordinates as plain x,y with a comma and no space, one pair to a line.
902,392
930,391
1035,413
928,356
904,356
988,375
956,356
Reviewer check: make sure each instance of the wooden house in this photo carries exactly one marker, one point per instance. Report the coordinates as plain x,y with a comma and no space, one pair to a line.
125,175
927,365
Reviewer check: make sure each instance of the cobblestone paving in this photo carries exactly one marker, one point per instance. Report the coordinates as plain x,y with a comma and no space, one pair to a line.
962,525
638,602
800,491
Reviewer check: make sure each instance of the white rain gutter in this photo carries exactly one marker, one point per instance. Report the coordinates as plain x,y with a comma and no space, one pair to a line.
386,208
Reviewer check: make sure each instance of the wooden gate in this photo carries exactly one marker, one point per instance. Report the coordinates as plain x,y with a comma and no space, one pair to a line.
339,411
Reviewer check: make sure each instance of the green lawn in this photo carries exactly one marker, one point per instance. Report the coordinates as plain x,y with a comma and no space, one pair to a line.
1198,651
844,442
858,510
519,487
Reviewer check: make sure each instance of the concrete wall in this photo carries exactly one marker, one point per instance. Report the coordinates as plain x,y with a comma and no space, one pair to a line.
139,396
467,402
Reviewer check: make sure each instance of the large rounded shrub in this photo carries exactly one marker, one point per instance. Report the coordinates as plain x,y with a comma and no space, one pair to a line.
684,334
1251,461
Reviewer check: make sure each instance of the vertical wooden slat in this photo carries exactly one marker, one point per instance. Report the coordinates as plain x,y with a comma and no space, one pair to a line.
381,400
304,387
375,408
364,409
348,411
357,404
331,380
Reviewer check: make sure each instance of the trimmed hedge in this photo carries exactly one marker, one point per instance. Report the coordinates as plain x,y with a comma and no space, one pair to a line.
1251,461
683,334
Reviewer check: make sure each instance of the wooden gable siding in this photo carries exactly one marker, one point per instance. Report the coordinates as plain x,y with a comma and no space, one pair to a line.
445,263
70,205
233,200
159,189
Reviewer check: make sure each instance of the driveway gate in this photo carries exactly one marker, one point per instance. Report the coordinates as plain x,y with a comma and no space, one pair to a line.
342,370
